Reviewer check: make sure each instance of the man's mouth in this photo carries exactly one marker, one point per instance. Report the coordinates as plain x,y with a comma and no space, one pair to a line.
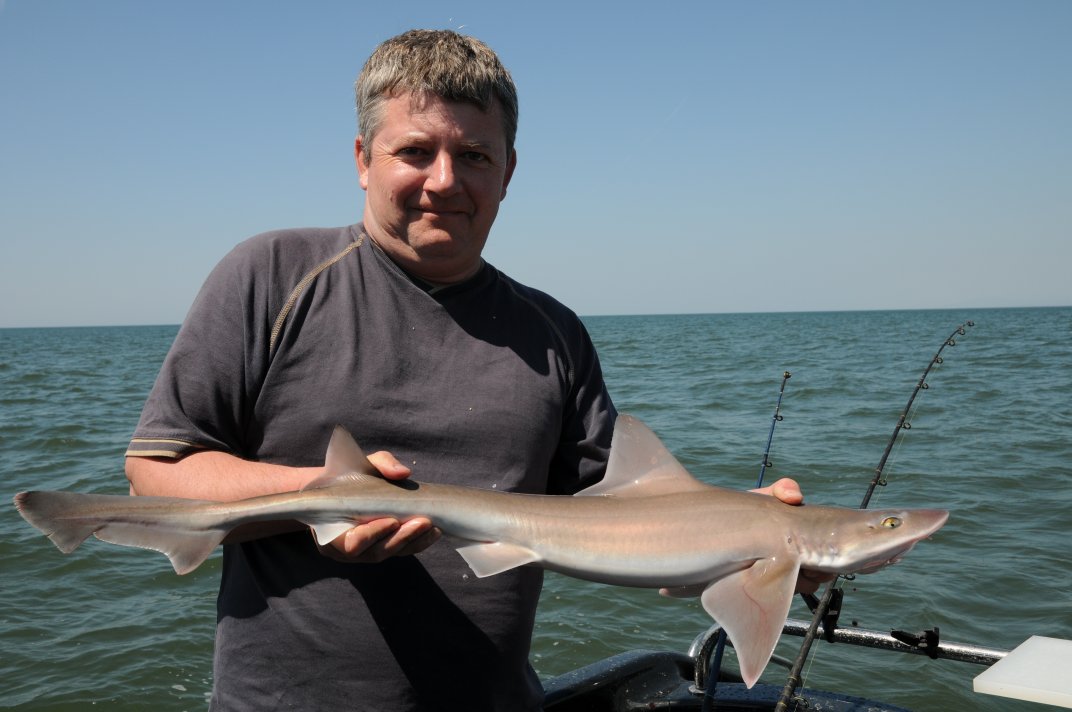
440,210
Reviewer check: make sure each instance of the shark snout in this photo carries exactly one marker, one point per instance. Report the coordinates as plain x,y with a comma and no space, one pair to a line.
930,521
910,527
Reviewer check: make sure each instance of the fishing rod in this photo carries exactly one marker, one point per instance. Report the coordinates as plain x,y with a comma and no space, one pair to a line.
902,423
821,607
720,644
777,418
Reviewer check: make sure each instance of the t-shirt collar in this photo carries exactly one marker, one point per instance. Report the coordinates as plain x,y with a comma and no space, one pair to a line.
436,290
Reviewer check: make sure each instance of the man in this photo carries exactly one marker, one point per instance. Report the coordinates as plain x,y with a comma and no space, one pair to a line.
398,330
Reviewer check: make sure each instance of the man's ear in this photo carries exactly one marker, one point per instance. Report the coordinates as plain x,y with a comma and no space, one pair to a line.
511,164
360,162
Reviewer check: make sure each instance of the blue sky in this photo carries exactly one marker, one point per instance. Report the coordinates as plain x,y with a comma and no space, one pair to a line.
673,157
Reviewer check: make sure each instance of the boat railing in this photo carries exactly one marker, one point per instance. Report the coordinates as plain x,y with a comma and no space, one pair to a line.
921,643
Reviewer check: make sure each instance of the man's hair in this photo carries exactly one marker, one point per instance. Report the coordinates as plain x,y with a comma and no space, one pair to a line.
440,62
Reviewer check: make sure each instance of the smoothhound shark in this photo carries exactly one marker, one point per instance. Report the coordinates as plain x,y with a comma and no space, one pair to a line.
648,523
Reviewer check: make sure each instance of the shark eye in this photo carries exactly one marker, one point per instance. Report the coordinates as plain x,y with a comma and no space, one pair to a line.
891,522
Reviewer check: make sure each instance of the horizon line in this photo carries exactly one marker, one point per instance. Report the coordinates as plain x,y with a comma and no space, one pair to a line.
608,315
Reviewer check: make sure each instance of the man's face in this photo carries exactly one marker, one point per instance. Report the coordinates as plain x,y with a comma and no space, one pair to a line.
433,182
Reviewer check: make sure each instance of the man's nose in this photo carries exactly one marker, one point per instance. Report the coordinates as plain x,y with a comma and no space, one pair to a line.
442,176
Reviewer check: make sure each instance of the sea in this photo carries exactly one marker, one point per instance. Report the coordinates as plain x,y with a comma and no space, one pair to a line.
989,438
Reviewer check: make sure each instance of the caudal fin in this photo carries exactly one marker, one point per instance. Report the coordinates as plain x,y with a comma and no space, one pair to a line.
68,518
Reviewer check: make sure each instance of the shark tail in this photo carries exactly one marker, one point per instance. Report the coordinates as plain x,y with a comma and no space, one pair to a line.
68,518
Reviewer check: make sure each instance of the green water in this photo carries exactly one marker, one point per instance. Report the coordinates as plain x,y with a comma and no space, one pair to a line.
990,440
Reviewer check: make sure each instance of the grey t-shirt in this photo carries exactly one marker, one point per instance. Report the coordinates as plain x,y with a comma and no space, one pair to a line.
487,383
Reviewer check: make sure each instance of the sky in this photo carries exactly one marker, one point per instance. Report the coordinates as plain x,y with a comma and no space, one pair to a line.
673,157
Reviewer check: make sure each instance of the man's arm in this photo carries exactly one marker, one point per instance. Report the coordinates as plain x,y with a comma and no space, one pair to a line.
219,476
213,475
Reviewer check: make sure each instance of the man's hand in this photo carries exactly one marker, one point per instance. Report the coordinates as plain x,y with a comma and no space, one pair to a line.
788,491
785,489
381,539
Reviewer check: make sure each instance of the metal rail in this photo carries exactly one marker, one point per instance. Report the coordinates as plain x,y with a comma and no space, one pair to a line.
899,641
924,643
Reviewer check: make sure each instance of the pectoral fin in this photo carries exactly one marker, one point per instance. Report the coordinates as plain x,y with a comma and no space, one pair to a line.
494,558
752,605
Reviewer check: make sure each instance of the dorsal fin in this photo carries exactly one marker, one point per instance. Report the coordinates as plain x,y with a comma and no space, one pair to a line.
640,465
344,459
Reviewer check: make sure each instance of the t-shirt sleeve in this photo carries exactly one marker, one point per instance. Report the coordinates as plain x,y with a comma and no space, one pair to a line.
588,423
202,395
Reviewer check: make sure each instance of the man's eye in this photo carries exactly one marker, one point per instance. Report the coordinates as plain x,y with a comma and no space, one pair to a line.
475,156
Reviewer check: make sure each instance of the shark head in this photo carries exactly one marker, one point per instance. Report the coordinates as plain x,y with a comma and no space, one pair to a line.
870,540
753,602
